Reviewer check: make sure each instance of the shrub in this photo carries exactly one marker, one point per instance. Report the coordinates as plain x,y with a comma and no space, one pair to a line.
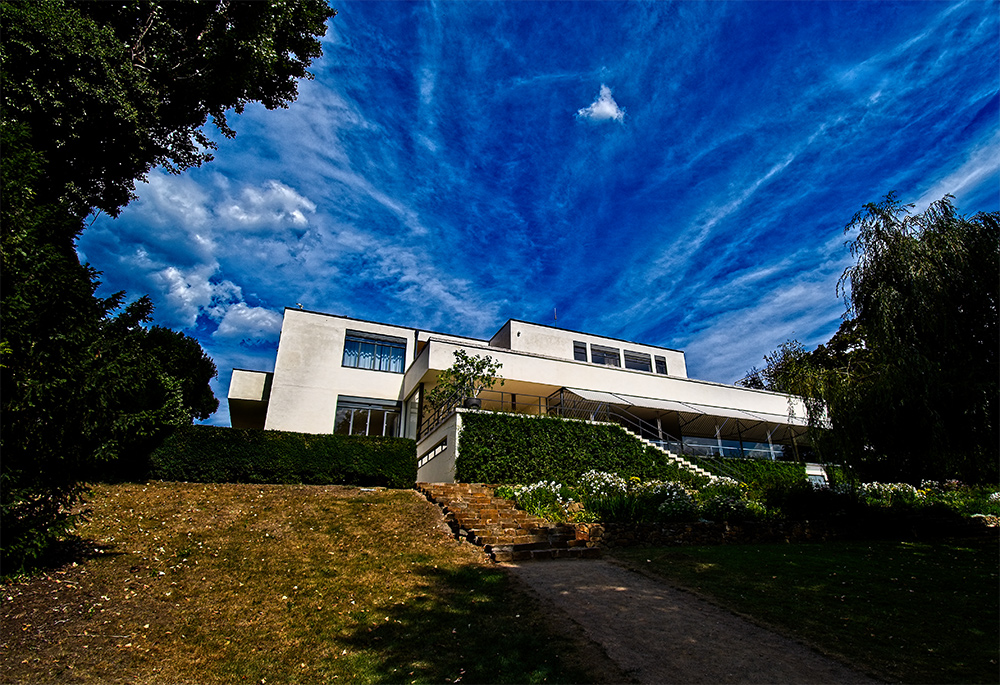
678,505
209,454
506,448
546,499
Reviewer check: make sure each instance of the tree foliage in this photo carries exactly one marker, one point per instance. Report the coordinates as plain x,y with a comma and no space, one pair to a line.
466,378
95,95
111,89
910,379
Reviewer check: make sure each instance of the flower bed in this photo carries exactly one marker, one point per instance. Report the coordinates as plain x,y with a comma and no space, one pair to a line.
609,498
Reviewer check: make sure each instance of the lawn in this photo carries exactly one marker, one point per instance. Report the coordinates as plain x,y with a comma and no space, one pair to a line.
177,582
912,612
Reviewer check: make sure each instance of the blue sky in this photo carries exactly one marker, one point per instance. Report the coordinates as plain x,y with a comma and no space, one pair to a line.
676,174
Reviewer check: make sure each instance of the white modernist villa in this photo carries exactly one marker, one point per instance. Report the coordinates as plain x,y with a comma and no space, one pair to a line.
334,374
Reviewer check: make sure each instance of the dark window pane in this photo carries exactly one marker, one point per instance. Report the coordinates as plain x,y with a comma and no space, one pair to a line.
661,365
342,424
637,362
391,423
604,355
376,421
359,426
580,351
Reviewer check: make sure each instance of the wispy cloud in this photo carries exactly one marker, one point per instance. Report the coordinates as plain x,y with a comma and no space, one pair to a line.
427,175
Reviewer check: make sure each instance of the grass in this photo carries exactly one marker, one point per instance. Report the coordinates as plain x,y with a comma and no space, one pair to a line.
248,583
913,612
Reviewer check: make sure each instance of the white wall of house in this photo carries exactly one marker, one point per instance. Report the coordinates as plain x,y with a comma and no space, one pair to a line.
250,385
548,341
436,453
548,375
309,374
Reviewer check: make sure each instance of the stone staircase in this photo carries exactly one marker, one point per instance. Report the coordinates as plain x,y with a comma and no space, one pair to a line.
504,532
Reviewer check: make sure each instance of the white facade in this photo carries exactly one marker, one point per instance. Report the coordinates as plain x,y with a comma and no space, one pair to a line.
337,374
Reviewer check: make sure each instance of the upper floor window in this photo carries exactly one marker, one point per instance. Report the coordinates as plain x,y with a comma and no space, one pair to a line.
661,365
637,361
580,351
376,352
605,355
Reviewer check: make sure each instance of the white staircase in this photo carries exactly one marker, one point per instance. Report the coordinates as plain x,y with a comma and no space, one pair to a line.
676,458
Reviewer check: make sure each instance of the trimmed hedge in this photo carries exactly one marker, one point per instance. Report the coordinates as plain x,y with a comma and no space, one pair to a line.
755,470
210,454
505,448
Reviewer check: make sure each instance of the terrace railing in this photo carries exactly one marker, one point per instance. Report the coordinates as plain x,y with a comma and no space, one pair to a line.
564,404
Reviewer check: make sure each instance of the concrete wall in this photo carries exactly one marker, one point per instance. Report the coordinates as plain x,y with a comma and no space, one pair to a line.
440,468
309,374
249,392
520,336
250,385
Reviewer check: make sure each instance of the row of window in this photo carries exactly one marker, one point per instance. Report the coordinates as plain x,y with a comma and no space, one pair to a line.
378,353
610,356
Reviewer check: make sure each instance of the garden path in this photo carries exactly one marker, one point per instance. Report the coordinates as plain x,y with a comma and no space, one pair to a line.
658,633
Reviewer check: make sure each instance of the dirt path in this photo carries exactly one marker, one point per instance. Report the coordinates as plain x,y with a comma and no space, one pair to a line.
657,633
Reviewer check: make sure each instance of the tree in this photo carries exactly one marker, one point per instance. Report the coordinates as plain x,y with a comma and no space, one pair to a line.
910,379
466,378
110,90
95,95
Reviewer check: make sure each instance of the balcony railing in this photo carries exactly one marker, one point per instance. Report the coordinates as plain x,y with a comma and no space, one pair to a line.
564,404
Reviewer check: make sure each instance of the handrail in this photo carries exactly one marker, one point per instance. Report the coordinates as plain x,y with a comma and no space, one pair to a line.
560,405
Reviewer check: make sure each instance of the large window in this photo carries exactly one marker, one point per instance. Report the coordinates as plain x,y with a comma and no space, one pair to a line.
605,355
361,416
375,352
637,361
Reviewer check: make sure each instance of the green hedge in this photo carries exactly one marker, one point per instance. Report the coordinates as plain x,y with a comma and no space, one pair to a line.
754,470
209,454
503,448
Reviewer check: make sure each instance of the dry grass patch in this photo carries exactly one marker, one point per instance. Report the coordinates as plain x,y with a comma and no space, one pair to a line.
178,582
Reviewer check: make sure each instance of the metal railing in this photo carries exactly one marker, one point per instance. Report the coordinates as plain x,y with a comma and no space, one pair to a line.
564,404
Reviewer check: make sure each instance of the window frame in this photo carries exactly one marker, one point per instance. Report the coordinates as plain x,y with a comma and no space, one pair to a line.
392,412
374,352
599,354
642,359
660,362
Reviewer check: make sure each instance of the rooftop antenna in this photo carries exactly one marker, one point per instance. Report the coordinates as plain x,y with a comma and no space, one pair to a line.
555,318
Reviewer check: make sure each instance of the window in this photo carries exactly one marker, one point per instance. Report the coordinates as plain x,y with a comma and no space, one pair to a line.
375,352
661,365
580,351
360,416
605,355
637,361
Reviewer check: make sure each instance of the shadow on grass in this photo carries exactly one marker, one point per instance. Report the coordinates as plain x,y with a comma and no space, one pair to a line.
472,625
62,553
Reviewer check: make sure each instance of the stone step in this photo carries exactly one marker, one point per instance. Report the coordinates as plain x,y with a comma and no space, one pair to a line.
505,532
